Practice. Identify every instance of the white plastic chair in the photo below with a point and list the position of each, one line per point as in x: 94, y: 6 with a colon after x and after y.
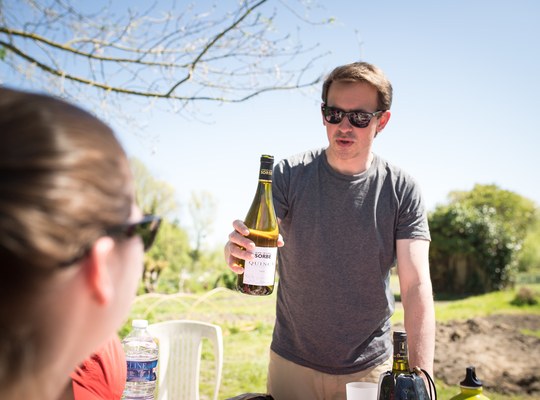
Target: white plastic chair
x: 180, y: 345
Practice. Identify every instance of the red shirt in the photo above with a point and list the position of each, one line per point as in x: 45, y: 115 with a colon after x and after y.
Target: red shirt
x: 103, y: 375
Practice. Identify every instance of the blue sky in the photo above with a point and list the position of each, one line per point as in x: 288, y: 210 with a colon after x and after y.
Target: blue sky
x: 466, y: 84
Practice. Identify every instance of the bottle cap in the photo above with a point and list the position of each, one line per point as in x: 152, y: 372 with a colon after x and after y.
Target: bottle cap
x: 268, y: 158
x: 139, y: 323
x: 471, y: 381
x: 400, y: 335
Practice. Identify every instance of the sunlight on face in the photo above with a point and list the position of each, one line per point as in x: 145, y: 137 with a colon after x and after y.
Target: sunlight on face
x: 349, y: 147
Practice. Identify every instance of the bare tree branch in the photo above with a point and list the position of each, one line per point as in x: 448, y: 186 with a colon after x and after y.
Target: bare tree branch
x: 212, y: 43
x: 220, y: 55
x: 93, y: 56
x: 153, y: 94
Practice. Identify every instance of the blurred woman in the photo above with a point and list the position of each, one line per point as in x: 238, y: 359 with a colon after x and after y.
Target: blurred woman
x: 71, y: 241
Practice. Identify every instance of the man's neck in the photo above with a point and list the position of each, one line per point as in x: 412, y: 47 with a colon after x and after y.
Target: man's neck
x: 352, y: 166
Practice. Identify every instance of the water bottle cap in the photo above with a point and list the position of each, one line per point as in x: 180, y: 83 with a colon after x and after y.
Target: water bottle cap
x: 471, y: 381
x: 139, y: 323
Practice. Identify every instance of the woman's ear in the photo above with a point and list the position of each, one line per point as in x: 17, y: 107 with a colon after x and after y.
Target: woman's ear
x: 97, y: 267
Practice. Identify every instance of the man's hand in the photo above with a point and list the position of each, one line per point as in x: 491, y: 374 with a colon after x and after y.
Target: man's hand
x: 239, y: 247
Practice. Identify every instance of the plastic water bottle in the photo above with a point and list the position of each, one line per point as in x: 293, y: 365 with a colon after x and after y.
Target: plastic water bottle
x: 142, y: 358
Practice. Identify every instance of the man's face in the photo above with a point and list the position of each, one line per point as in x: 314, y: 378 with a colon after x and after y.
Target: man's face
x: 349, y: 147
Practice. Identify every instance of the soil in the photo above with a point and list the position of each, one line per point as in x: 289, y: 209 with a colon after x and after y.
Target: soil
x: 507, y: 361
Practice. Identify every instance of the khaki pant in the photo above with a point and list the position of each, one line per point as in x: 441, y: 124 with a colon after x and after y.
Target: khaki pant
x: 290, y: 381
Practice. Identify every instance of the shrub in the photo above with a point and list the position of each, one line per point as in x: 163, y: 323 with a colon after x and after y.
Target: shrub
x: 525, y: 297
x: 471, y: 251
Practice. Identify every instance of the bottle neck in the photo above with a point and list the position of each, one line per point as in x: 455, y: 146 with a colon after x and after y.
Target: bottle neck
x: 265, y: 171
x: 138, y: 332
x: 401, y: 359
x: 400, y: 366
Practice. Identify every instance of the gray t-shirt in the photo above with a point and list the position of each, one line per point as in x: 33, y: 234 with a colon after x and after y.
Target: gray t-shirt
x: 334, y: 301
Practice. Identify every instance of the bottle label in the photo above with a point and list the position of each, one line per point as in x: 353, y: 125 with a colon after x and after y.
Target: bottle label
x: 141, y: 371
x: 265, y: 174
x: 261, y: 271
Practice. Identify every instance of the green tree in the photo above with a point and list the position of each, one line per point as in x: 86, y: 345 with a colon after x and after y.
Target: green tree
x: 516, y: 212
x: 154, y: 196
x: 529, y: 257
x: 171, y: 250
x: 202, y: 208
x: 166, y: 260
x: 173, y: 264
x: 476, y: 239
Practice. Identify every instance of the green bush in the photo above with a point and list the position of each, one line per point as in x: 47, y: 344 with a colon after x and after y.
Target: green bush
x: 525, y: 297
x: 529, y: 257
x: 477, y: 238
x: 471, y: 251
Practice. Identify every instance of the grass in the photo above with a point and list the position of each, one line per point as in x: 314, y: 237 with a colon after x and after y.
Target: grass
x: 247, y: 324
x: 484, y: 305
x: 447, y: 392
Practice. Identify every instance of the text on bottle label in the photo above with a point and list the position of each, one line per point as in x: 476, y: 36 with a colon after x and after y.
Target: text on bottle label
x: 261, y: 271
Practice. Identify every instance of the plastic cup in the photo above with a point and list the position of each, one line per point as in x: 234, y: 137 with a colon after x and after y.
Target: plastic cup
x: 361, y: 391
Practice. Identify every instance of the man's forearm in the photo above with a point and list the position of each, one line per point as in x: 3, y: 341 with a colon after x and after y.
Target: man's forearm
x: 420, y: 326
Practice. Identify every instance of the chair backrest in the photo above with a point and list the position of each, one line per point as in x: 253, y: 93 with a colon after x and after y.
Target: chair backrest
x: 179, y: 366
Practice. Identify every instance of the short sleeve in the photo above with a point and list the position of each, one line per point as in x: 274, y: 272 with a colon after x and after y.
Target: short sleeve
x: 102, y: 375
x: 280, y: 184
x: 412, y: 218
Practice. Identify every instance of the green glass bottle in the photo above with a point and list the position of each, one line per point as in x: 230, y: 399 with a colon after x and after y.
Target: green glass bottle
x: 259, y: 274
x: 400, y: 365
x: 471, y: 387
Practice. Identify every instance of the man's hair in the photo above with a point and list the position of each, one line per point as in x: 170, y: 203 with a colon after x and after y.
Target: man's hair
x: 362, y: 72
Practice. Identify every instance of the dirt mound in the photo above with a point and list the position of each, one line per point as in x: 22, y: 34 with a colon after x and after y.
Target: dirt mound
x: 506, y: 360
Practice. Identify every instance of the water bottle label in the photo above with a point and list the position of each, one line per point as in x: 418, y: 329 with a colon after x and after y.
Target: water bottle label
x: 261, y: 271
x: 141, y: 371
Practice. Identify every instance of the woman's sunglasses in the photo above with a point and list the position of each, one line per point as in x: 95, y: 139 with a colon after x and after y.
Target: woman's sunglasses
x: 147, y: 228
x: 358, y: 119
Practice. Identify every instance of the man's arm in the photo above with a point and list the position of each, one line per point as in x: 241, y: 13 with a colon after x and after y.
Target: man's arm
x: 417, y: 300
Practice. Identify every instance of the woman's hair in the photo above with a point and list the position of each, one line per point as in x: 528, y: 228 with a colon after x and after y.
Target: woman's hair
x: 64, y: 178
x: 362, y: 72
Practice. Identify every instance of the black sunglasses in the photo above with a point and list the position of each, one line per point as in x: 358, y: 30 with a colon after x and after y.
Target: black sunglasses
x: 358, y: 119
x: 147, y: 228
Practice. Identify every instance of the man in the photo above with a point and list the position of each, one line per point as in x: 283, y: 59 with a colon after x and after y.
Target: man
x: 346, y: 216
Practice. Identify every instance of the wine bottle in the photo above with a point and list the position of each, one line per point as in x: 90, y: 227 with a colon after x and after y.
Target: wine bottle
x: 400, y: 365
x: 259, y: 274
